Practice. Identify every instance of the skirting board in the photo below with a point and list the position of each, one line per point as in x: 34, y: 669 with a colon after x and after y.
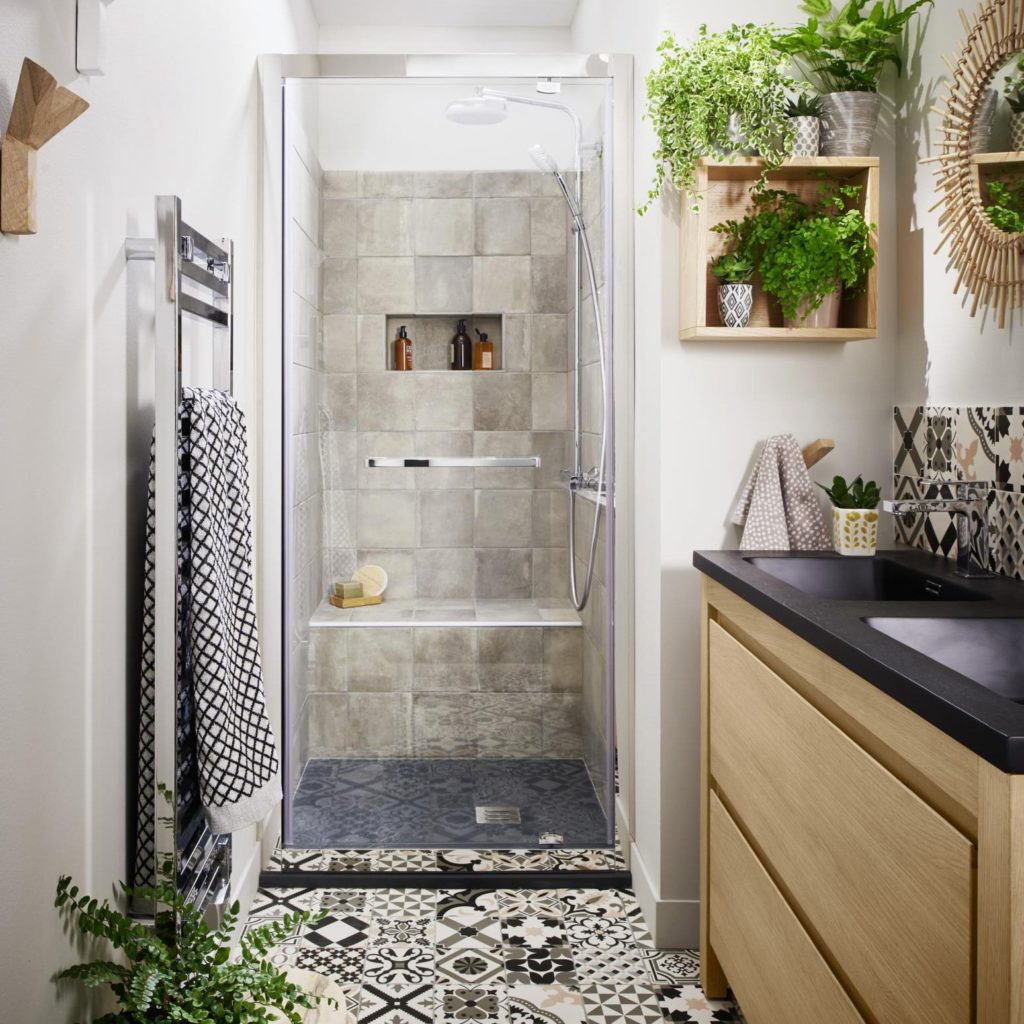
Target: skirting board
x: 674, y: 924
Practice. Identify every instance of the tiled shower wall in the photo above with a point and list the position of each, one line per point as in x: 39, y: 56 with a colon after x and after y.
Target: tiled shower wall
x: 981, y: 443
x: 450, y: 245
x: 304, y: 326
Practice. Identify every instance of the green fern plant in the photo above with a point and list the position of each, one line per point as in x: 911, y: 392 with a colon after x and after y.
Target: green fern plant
x: 186, y: 972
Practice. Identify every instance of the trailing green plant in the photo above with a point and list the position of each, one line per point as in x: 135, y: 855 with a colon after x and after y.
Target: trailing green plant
x: 804, y: 105
x: 1014, y: 88
x: 731, y: 268
x: 845, y: 50
x: 184, y: 973
x: 714, y: 96
x: 805, y: 251
x: 1005, y: 207
x: 855, y: 495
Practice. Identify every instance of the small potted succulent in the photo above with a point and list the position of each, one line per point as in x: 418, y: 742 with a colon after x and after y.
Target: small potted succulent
x: 1014, y: 93
x: 843, y: 51
x: 721, y: 95
x: 805, y: 115
x: 854, y: 515
x: 735, y: 293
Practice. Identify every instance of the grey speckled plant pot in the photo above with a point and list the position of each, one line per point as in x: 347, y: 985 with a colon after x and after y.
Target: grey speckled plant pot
x: 848, y: 123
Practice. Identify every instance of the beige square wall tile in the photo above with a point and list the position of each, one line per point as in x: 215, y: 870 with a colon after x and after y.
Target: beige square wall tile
x: 339, y: 343
x: 502, y: 401
x: 374, y: 184
x: 387, y: 519
x: 550, y: 519
x: 516, y: 342
x: 339, y: 400
x: 505, y: 442
x: 548, y: 284
x: 549, y: 235
x: 440, y: 727
x: 563, y: 659
x: 371, y: 344
x: 443, y: 227
x: 384, y: 227
x: 502, y: 227
x: 501, y: 284
x: 444, y: 401
x: 507, y: 725
x: 441, y: 442
x: 339, y: 227
x: 379, y: 659
x: 399, y: 564
x: 550, y: 401
x: 446, y: 519
x: 443, y: 184
x: 549, y: 334
x: 503, y: 519
x: 339, y: 277
x: 386, y: 401
x: 328, y: 717
x: 445, y: 572
x: 379, y: 724
x: 340, y: 184
x: 386, y: 284
x: 518, y: 645
x: 504, y: 573
x: 444, y: 284
x: 329, y: 649
x: 562, y: 721
x: 393, y: 444
x: 502, y: 183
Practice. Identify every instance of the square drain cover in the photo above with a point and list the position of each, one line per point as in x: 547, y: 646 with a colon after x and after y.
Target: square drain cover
x: 497, y: 815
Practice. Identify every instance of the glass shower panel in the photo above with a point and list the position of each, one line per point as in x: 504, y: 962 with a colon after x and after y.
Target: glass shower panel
x: 470, y: 708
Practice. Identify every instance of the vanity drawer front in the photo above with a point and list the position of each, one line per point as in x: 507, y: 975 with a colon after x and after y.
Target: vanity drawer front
x: 882, y: 881
x: 772, y: 965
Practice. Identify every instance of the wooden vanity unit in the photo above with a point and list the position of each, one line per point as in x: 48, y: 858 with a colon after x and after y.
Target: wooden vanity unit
x: 858, y: 864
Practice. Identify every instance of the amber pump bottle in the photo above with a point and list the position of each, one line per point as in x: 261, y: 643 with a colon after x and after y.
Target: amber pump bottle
x: 461, y: 352
x: 403, y: 350
x: 483, y: 352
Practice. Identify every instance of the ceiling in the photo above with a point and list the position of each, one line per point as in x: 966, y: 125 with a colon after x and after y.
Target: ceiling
x: 448, y: 13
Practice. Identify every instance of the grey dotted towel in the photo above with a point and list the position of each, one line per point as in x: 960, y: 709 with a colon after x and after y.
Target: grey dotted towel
x: 779, y: 509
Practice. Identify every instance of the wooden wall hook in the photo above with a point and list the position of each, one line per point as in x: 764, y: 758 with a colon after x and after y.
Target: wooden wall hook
x: 42, y: 108
x: 817, y: 450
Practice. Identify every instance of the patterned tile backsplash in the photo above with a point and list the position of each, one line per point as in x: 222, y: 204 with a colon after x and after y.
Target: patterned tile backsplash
x: 936, y: 446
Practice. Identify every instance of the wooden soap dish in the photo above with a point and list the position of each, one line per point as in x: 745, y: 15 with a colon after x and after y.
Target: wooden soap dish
x: 355, y: 602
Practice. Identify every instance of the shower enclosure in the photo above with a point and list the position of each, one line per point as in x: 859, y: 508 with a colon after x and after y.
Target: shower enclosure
x: 473, y: 707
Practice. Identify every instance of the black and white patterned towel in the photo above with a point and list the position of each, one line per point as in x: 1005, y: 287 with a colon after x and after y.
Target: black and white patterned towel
x: 222, y: 708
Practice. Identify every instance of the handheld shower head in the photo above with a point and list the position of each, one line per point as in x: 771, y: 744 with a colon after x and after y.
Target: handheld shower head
x: 477, y: 110
x: 543, y: 159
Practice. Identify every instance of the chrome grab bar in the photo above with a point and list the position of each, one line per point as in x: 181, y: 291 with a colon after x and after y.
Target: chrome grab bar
x: 455, y: 462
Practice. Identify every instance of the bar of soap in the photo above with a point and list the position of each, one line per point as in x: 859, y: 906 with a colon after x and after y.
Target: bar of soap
x: 350, y: 589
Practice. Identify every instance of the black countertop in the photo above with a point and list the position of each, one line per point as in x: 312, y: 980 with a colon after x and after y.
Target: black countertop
x: 985, y: 722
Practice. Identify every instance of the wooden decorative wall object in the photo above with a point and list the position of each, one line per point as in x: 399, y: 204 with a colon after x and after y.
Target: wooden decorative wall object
x: 42, y: 108
x: 986, y: 260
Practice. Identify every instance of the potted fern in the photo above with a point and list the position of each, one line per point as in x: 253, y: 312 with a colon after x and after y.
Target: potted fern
x: 804, y: 114
x: 718, y: 96
x: 735, y: 293
x: 843, y: 51
x: 1014, y: 93
x: 854, y: 515
x: 185, y: 973
x: 807, y: 254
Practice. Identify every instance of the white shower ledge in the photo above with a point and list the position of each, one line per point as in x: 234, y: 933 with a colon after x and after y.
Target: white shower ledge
x: 467, y: 613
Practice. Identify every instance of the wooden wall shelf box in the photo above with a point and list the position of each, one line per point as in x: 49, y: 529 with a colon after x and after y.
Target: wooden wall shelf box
x: 726, y: 196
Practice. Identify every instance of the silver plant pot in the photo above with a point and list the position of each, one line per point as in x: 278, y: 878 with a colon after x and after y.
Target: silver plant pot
x: 848, y: 123
x: 825, y: 317
x: 735, y: 304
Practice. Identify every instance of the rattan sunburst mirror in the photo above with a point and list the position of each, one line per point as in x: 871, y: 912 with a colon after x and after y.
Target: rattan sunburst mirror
x: 986, y: 257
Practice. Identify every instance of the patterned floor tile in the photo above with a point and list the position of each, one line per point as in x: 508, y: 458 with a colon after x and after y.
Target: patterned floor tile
x: 273, y: 904
x: 687, y: 1004
x: 340, y: 901
x: 628, y: 1004
x: 672, y: 967
x: 526, y: 902
x: 344, y: 930
x: 402, y: 904
x: 545, y: 1004
x: 386, y: 931
x: 378, y: 1005
x: 552, y: 965
x: 605, y: 952
x: 534, y: 931
x: 464, y: 927
x: 399, y: 967
x: 343, y: 965
x: 403, y: 860
x: 477, y: 1004
x: 599, y: 902
x: 468, y: 965
x: 456, y: 900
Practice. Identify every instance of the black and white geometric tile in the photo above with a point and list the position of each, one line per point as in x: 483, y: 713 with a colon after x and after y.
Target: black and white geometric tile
x: 556, y: 956
x: 937, y: 446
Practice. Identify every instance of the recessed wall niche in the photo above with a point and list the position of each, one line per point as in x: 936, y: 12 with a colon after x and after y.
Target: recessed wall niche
x: 432, y: 335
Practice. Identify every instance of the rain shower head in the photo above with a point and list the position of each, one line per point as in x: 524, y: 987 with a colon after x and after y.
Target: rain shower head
x: 477, y: 110
x: 543, y: 159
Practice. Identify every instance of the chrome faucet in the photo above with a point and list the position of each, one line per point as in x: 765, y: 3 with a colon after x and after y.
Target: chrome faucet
x: 971, y: 507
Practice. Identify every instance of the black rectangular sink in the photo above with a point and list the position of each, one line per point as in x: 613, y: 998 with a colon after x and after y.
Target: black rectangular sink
x: 861, y: 579
x: 989, y: 652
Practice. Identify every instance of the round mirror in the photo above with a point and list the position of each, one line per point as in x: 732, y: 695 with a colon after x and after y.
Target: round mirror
x: 981, y: 161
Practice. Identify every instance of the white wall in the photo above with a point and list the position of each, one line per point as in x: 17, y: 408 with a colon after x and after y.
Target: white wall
x: 946, y: 357
x: 430, y: 39
x: 176, y: 112
x: 701, y: 410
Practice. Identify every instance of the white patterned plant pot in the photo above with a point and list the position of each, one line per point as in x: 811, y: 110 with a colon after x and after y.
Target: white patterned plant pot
x: 735, y: 304
x: 807, y: 136
x: 855, y: 531
x: 848, y: 123
x: 1017, y: 132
